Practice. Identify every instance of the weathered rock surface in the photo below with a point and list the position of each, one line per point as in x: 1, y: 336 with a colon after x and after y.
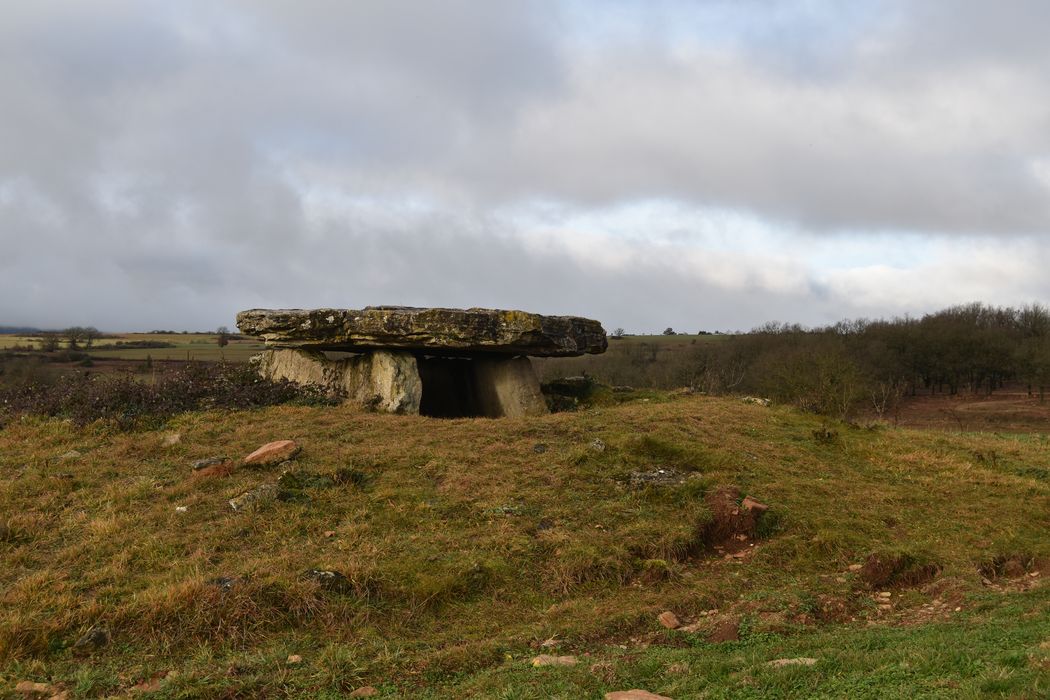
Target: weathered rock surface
x: 273, y: 453
x: 800, y: 661
x: 399, y: 382
x: 634, y: 694
x: 385, y: 381
x: 254, y: 498
x: 669, y: 620
x: 549, y: 660
x: 31, y: 688
x: 508, y: 388
x: 441, y: 331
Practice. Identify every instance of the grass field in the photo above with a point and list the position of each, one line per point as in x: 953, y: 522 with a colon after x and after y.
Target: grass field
x: 907, y: 563
x: 188, y: 346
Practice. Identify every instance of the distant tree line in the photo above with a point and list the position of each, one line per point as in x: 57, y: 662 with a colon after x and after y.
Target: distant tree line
x: 839, y: 369
x: 832, y: 370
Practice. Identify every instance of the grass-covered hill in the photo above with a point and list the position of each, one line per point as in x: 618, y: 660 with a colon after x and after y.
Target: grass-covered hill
x: 906, y: 564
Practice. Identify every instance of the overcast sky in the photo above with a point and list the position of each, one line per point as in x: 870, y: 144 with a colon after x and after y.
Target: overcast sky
x: 701, y: 165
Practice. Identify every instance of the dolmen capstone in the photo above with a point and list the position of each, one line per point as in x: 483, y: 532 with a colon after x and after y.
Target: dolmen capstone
x: 437, y: 362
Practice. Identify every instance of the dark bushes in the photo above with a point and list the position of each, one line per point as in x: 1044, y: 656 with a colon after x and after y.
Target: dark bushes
x: 129, y: 403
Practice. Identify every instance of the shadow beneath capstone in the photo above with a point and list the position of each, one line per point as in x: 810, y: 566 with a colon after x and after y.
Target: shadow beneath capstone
x: 452, y: 389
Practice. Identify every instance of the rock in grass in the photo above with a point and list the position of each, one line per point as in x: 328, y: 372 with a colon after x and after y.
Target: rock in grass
x: 800, y: 661
x: 209, y: 462
x: 273, y: 453
x: 95, y: 638
x: 635, y: 694
x: 172, y: 439
x: 669, y: 620
x: 548, y: 660
x: 656, y: 477
x: 32, y: 688
x: 330, y: 580
x: 224, y: 583
x: 598, y: 445
x: 71, y: 455
x: 365, y: 691
x: 254, y: 498
x: 754, y: 505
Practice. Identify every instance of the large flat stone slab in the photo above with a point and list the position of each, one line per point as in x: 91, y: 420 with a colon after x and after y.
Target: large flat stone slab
x: 431, y: 331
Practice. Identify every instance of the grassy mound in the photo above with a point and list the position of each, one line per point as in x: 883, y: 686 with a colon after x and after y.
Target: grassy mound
x: 460, y: 549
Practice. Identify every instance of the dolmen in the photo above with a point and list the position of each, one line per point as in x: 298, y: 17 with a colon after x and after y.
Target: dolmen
x: 430, y: 361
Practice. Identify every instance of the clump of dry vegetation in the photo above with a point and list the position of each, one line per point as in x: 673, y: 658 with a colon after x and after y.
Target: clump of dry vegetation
x: 127, y: 402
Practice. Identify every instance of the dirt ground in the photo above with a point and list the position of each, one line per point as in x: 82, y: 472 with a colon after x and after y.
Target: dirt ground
x: 1009, y: 409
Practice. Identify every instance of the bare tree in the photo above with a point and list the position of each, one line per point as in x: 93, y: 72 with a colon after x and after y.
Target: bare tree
x: 49, y: 341
x: 74, y: 335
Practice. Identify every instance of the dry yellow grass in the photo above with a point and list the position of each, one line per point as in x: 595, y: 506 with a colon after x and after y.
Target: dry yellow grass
x: 463, y: 542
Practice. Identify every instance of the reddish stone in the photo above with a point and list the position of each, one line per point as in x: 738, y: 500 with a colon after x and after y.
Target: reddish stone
x: 669, y: 620
x: 753, y: 505
x: 273, y: 453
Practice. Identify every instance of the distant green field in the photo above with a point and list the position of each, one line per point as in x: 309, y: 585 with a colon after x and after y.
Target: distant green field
x: 187, y: 346
x: 679, y: 339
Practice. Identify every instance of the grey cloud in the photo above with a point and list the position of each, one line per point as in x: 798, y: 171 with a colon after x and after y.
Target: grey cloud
x: 162, y: 164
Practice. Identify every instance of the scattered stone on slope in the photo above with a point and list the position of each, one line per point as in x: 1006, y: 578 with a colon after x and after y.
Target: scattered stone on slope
x: 32, y: 688
x: 254, y: 498
x: 549, y: 660
x: 758, y: 401
x: 273, y: 453
x: 669, y: 620
x: 656, y: 477
x: 209, y: 462
x: 756, y: 506
x: 426, y: 329
x: 800, y: 661
x: 634, y: 694
x: 222, y: 469
x: 95, y: 638
x: 329, y: 580
x: 598, y: 445
x: 365, y: 691
x: 69, y: 456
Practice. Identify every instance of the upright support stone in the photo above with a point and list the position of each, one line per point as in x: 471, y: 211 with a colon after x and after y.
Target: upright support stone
x: 508, y: 387
x: 386, y: 381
